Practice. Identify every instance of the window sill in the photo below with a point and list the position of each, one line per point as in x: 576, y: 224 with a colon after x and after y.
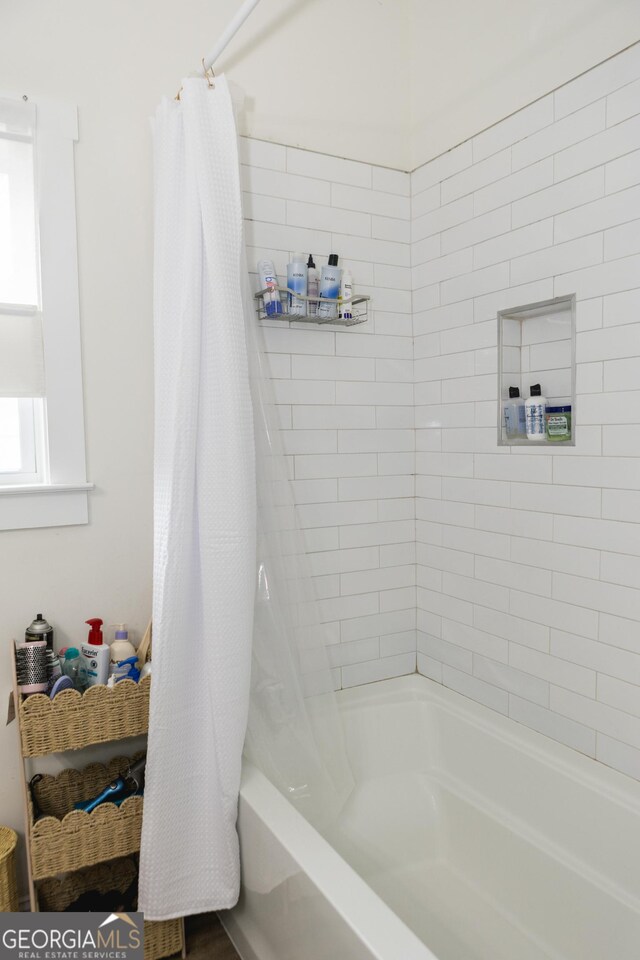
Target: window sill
x: 32, y: 505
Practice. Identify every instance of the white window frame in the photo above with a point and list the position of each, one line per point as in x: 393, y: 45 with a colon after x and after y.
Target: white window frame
x: 59, y: 498
x: 32, y: 444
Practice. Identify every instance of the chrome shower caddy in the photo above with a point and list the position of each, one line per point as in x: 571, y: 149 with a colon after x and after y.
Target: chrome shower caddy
x: 359, y: 306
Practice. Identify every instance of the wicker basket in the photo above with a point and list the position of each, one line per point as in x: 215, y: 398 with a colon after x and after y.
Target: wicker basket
x: 161, y: 938
x: 73, y: 720
x: 56, y: 894
x: 8, y: 883
x: 64, y: 839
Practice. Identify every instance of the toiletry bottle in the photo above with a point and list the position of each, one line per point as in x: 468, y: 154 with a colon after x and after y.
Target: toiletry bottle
x: 558, y: 421
x: 54, y: 668
x: 269, y: 282
x: 120, y: 647
x: 124, y: 670
x: 313, y: 285
x: 94, y: 655
x: 329, y: 288
x: 346, y: 293
x: 71, y: 666
x: 297, y: 284
x: 39, y: 629
x: 514, y: 418
x: 534, y: 409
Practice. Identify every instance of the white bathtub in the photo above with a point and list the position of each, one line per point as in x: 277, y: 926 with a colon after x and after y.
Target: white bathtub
x: 468, y: 837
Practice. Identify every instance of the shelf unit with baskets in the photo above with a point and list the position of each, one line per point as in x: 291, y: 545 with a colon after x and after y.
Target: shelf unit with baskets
x: 69, y: 851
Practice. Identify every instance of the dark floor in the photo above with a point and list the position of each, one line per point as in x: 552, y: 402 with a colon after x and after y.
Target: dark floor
x: 206, y: 939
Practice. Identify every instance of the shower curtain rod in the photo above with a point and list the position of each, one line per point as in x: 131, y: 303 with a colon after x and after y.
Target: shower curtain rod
x: 227, y: 36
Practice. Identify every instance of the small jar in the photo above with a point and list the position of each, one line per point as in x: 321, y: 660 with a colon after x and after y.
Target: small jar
x: 558, y: 423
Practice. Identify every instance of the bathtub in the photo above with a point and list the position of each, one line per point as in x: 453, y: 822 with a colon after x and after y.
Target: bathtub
x: 468, y: 837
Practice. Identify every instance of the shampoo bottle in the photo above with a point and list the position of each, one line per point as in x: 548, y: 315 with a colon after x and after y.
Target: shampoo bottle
x: 297, y: 284
x: 94, y: 656
x: 346, y: 293
x: 313, y: 285
x: 534, y: 409
x: 329, y: 288
x: 514, y: 418
x: 269, y: 282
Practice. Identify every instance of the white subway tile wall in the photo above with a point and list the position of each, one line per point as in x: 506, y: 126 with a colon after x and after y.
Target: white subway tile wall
x: 511, y: 574
x: 345, y: 397
x: 528, y: 578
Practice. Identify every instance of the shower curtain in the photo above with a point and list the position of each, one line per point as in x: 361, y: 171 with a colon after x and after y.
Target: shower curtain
x: 205, y: 512
x: 229, y: 556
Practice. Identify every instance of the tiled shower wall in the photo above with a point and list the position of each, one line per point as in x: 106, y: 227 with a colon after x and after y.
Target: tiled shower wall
x: 345, y: 396
x: 529, y: 560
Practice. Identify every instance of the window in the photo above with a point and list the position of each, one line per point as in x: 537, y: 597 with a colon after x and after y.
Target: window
x: 42, y: 456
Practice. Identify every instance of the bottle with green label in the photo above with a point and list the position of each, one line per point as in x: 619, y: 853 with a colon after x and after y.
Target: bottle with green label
x: 558, y: 423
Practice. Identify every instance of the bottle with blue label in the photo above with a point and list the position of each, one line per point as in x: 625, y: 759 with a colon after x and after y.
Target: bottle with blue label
x: 329, y: 289
x: 514, y: 418
x: 269, y: 283
x: 94, y: 656
x: 297, y: 284
x: 534, y: 409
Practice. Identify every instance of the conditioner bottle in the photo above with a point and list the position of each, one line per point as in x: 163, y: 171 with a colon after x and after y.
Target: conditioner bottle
x: 329, y: 289
x: 514, y: 416
x: 297, y: 284
x: 346, y: 294
x: 534, y: 409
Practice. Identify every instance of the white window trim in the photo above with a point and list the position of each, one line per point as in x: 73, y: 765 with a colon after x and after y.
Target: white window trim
x: 61, y: 499
x: 31, y: 442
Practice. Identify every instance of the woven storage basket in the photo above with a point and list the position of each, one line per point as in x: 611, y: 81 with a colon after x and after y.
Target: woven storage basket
x: 162, y: 938
x: 64, y: 839
x: 73, y: 720
x: 8, y: 883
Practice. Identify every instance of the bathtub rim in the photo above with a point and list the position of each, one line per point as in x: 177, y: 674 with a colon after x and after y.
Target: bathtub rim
x: 361, y: 909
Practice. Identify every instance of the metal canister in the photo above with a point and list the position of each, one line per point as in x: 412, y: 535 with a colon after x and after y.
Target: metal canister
x: 39, y: 629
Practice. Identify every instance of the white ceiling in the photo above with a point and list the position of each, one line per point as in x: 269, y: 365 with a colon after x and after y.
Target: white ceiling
x: 397, y: 82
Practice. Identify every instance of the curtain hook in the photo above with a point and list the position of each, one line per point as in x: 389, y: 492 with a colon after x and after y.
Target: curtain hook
x: 209, y: 75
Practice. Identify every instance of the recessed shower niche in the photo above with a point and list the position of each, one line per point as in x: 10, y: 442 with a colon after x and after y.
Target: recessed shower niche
x: 536, y: 359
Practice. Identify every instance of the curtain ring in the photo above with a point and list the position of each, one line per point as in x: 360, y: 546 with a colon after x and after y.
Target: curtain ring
x: 209, y: 75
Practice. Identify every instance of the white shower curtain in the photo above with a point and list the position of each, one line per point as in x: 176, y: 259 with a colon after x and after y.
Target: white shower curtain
x: 205, y: 512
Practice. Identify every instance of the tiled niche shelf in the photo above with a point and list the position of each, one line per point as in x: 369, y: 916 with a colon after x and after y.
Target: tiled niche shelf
x: 537, y: 344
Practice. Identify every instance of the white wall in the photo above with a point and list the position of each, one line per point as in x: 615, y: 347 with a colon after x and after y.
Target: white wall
x: 474, y: 63
x: 529, y: 560
x: 115, y: 60
x: 310, y: 77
